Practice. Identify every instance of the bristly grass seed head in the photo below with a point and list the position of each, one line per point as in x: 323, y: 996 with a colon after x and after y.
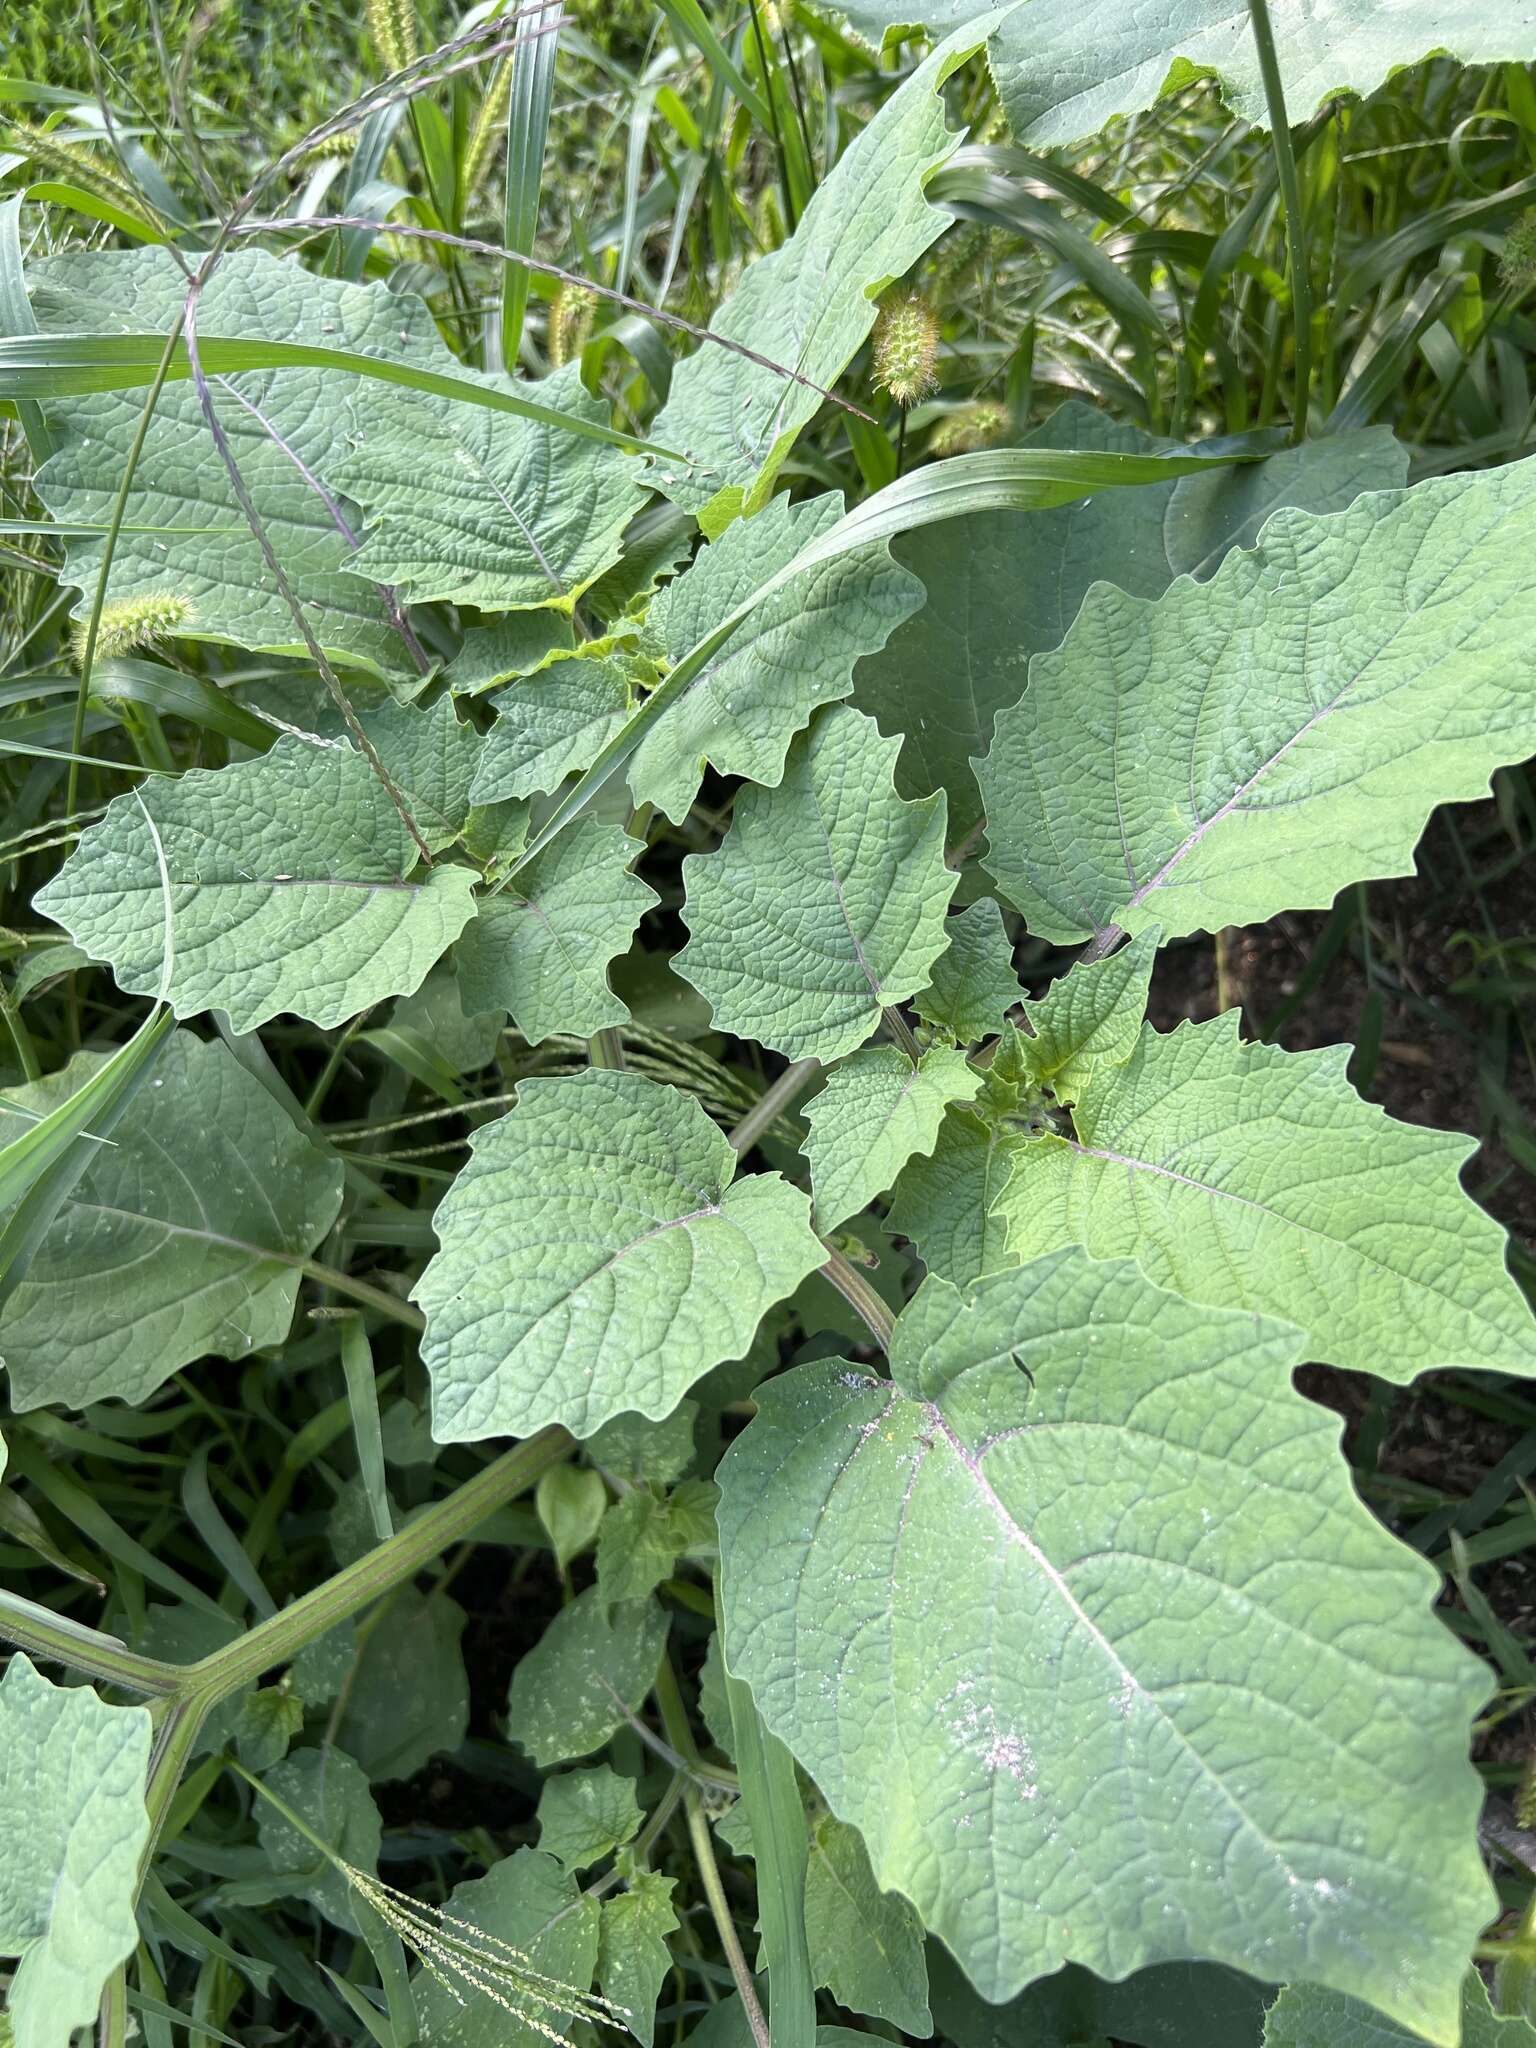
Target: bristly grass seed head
x: 968, y: 428
x: 132, y: 622
x: 1517, y: 265
x: 906, y: 342
x: 393, y: 32
x: 571, y: 314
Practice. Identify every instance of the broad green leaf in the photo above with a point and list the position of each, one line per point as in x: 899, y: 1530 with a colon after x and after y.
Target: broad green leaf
x: 541, y: 949
x: 1002, y: 586
x: 1253, y: 743
x: 550, y: 724
x: 866, y: 1944
x: 287, y: 430
x: 644, y: 1534
x: 72, y: 1829
x: 1003, y: 479
x: 1088, y: 1019
x: 515, y: 644
x: 526, y: 1903
x: 1092, y: 1569
x: 407, y: 1695
x: 633, y: 1959
x: 265, y: 1728
x: 974, y: 985
x: 809, y: 305
x: 592, y: 1665
x: 826, y: 902
x: 182, y: 1237
x: 432, y: 757
x: 596, y: 1258
x: 1064, y: 71
x: 1249, y: 1177
x: 328, y: 1790
x: 436, y: 1015
x: 292, y: 889
x: 794, y: 651
x: 946, y: 1203
x: 586, y: 1815
x: 469, y: 506
x: 1307, y: 2016
x: 876, y: 1110
x: 1170, y: 2005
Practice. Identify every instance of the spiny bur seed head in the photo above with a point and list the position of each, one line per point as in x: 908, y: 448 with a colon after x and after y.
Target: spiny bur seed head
x: 906, y: 342
x: 131, y: 622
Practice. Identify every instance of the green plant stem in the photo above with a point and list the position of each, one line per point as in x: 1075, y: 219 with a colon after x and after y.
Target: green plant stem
x: 901, y: 1031
x: 82, y: 1649
x: 447, y: 1522
x: 606, y: 1049
x: 1298, y: 253
x: 775, y: 1099
x: 674, y: 1718
x: 860, y: 1297
x: 108, y: 549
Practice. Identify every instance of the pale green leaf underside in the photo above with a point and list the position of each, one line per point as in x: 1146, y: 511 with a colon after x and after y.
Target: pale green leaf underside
x: 287, y: 431
x: 72, y: 1829
x: 541, y: 949
x: 291, y: 890
x: 1253, y: 743
x: 1063, y: 71
x: 809, y: 305
x: 827, y: 901
x: 974, y: 985
x: 1001, y: 587
x: 549, y: 725
x: 1307, y: 2016
x: 1152, y: 1675
x: 596, y: 1258
x: 471, y: 506
x: 1254, y: 1178
x: 164, y: 1251
x: 794, y: 651
x: 876, y: 1110
x: 1089, y: 1018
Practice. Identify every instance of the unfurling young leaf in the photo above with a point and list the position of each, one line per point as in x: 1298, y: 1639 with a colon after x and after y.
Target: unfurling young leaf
x: 974, y: 985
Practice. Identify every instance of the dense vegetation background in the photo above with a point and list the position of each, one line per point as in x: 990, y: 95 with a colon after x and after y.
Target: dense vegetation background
x: 1144, y: 272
